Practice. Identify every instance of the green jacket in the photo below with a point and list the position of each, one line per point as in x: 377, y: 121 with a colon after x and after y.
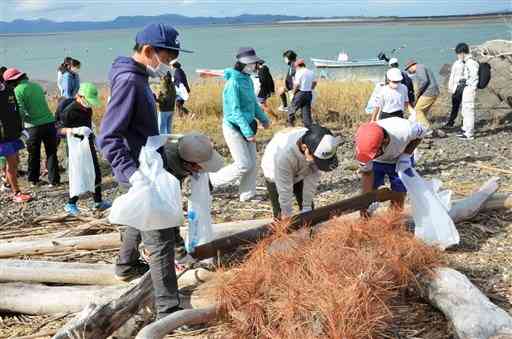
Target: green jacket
x: 33, y: 105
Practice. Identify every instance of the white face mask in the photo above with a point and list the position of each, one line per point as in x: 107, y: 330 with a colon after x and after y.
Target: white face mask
x: 393, y: 85
x: 159, y: 71
x: 286, y: 61
x: 250, y: 69
x: 75, y: 70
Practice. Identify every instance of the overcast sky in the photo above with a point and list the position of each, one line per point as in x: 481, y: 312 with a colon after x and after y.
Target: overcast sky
x: 97, y: 10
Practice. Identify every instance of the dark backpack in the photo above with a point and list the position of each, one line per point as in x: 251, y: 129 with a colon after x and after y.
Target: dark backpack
x: 11, y: 124
x: 484, y: 75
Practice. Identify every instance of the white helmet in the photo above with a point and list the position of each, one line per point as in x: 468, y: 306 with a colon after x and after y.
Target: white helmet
x: 394, y: 74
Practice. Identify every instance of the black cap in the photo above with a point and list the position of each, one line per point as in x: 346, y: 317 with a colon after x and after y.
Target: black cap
x: 462, y: 48
x: 323, y: 146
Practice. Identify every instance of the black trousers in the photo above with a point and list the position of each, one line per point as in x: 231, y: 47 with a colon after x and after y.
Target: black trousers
x: 47, y: 135
x: 456, y: 102
x: 160, y: 245
x: 274, y: 196
x: 284, y: 99
x: 385, y: 115
x: 301, y: 100
x: 97, y: 171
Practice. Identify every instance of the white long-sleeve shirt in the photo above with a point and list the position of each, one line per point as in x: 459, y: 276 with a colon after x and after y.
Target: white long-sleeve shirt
x: 467, y: 69
x: 285, y: 165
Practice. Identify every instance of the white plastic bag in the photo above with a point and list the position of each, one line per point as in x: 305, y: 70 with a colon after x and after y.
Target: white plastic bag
x: 80, y: 166
x: 432, y: 223
x: 182, y: 92
x: 199, y: 212
x: 155, y: 202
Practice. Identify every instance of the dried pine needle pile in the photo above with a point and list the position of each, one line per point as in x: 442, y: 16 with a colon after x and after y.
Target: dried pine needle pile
x: 337, y: 283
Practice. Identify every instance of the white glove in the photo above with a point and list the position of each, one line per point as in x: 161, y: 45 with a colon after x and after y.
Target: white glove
x: 85, y: 131
x: 138, y: 178
x: 306, y: 209
x: 24, y: 135
x: 404, y: 162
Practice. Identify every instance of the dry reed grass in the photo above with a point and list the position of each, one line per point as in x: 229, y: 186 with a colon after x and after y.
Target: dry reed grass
x: 339, y: 284
x: 339, y: 105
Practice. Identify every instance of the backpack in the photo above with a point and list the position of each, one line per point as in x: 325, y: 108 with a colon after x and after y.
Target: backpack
x: 11, y: 124
x: 484, y: 75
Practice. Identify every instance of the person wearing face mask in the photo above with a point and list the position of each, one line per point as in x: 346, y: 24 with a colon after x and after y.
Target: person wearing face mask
x: 241, y: 113
x: 75, y: 116
x: 70, y: 81
x: 392, y: 99
x: 131, y: 118
x: 463, y: 84
x: 292, y: 164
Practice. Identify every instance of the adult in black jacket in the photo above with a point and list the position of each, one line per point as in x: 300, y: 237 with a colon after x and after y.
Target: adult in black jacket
x: 267, y: 88
x: 10, y: 142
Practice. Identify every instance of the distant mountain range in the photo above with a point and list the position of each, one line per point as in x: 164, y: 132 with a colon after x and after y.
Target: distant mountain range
x: 124, y: 22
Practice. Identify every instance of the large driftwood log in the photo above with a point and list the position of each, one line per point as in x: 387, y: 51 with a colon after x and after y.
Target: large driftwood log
x: 471, y: 313
x: 57, y: 272
x: 162, y: 327
x: 35, y: 247
x: 41, y: 299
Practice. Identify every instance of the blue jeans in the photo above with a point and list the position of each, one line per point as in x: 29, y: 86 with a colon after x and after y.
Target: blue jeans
x: 165, y: 122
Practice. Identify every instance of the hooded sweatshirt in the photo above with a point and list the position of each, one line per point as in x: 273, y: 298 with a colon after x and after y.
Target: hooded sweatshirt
x: 130, y: 118
x: 240, y: 104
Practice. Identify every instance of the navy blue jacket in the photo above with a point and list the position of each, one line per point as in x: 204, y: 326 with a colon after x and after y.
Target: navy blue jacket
x: 131, y: 117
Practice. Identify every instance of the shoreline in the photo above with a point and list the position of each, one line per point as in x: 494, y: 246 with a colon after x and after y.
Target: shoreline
x: 456, y: 19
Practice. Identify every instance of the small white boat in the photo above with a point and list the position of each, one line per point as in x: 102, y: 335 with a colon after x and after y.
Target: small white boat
x: 345, y: 69
x: 327, y: 63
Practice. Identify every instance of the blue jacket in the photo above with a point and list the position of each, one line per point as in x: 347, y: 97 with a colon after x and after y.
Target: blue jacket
x: 130, y: 118
x: 240, y: 104
x: 70, y: 84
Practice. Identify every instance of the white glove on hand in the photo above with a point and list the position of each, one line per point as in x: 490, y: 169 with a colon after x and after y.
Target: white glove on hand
x: 306, y: 209
x: 404, y: 162
x: 24, y: 135
x: 85, y: 131
x: 138, y: 178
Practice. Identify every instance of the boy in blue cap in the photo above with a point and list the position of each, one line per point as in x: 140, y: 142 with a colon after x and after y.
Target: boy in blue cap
x: 131, y: 118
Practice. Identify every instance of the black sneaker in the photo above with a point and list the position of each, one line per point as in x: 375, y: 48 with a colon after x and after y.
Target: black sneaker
x: 134, y: 272
x: 465, y: 137
x: 448, y: 126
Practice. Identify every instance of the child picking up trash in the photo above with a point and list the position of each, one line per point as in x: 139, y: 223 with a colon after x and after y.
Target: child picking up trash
x: 383, y: 148
x: 75, y: 120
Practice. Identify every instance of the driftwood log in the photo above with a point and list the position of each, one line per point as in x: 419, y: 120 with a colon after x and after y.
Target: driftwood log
x: 162, y: 327
x: 42, y: 299
x: 38, y: 299
x: 30, y: 271
x: 471, y: 313
x: 51, y: 245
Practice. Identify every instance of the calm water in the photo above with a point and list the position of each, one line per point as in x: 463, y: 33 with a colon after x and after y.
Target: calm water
x: 216, y: 46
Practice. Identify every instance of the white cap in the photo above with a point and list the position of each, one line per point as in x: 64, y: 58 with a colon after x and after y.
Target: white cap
x: 393, y: 61
x: 394, y: 74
